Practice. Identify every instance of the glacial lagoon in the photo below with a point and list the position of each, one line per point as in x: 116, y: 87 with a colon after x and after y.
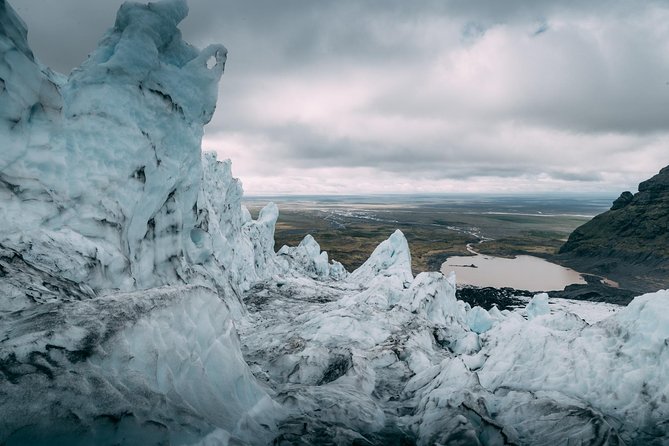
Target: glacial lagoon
x: 522, y: 272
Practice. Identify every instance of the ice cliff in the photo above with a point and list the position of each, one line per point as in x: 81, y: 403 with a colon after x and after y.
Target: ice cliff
x: 141, y: 304
x: 124, y: 252
x: 105, y: 166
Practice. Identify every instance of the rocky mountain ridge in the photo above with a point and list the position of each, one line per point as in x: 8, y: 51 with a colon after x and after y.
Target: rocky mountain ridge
x: 630, y: 242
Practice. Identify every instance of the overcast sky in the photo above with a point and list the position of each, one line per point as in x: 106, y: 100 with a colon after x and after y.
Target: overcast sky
x: 418, y: 96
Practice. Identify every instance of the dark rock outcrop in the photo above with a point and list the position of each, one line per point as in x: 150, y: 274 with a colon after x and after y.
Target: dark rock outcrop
x: 630, y: 242
x: 623, y: 200
x: 595, y: 291
x: 487, y: 297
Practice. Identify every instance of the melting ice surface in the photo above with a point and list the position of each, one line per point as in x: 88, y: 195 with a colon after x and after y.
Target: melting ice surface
x: 141, y: 304
x: 521, y: 272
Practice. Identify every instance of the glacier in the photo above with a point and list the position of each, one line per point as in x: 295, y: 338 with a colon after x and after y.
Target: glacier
x: 140, y: 303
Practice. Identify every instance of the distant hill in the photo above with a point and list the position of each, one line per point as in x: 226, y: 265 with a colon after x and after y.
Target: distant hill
x: 630, y: 242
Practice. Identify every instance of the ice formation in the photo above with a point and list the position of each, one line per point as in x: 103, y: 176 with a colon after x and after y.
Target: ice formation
x: 308, y: 259
x: 105, y: 166
x: 537, y: 306
x: 124, y: 252
x: 141, y: 304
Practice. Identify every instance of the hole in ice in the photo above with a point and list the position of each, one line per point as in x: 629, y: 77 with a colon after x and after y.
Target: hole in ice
x: 211, y: 62
x: 196, y: 236
x: 140, y: 175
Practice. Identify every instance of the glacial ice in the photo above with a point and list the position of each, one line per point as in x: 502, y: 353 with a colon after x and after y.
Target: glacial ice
x: 433, y: 297
x: 124, y: 252
x: 479, y: 320
x: 118, y: 359
x: 134, y: 207
x: 537, y: 306
x: 308, y: 259
x: 391, y: 259
x: 141, y: 304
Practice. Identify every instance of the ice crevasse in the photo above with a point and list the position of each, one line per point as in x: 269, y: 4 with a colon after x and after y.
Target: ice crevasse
x: 141, y: 304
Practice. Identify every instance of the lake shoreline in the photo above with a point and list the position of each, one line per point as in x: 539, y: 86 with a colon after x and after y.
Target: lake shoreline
x: 520, y: 272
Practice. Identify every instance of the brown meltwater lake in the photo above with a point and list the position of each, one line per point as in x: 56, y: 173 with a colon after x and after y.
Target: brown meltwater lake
x: 522, y: 272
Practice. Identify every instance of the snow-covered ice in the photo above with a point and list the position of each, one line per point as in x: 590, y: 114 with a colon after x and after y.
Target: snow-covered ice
x: 308, y: 259
x: 141, y: 304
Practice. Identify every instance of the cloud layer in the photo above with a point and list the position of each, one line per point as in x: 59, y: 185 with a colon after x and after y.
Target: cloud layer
x: 425, y: 96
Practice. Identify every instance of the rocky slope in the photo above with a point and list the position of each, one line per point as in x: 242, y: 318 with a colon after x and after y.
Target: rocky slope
x: 630, y: 242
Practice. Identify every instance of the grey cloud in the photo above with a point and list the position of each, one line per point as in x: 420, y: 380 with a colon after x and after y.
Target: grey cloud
x: 471, y: 32
x: 303, y: 148
x: 542, y: 28
x: 579, y: 83
x: 494, y: 11
x: 586, y: 176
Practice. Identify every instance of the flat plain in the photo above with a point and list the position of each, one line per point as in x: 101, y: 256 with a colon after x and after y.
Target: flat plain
x: 436, y: 227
